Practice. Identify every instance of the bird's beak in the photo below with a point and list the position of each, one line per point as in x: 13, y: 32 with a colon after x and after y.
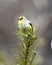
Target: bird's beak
x: 18, y: 19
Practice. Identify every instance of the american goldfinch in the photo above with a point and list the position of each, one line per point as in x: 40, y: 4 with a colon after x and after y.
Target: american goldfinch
x: 24, y: 24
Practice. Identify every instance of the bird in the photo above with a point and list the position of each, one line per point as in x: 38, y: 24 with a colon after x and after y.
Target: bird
x: 24, y: 24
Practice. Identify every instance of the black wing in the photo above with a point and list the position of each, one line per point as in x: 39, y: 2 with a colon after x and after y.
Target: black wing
x: 31, y: 26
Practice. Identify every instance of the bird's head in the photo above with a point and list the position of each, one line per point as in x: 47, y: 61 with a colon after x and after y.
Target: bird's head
x: 21, y: 19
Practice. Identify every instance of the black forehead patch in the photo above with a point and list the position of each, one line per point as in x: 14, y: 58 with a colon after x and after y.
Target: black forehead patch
x: 20, y: 18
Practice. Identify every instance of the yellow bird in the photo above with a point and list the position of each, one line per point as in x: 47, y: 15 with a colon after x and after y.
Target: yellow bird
x: 24, y: 24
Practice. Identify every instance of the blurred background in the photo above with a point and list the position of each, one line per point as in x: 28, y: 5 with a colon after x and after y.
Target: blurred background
x: 39, y: 12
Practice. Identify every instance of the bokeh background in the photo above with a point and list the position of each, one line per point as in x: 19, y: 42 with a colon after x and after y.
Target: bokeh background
x: 39, y: 12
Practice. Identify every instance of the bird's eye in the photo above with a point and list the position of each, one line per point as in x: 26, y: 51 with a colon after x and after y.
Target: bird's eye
x: 20, y: 18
